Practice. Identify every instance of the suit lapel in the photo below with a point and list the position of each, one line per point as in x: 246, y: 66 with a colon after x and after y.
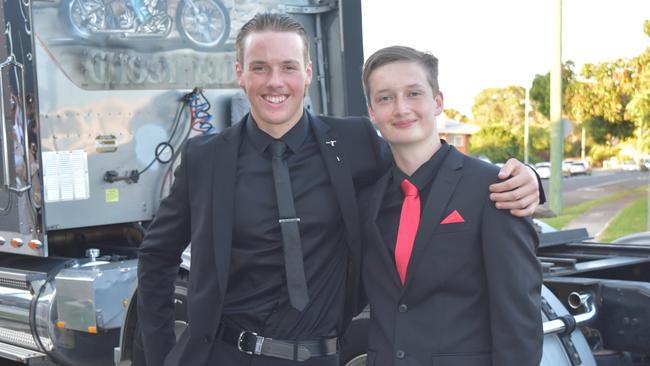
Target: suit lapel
x: 375, y: 240
x: 441, y: 191
x: 224, y: 177
x: 330, y: 146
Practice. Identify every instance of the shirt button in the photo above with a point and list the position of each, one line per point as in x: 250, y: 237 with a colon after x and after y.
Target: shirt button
x: 402, y: 308
x: 400, y: 354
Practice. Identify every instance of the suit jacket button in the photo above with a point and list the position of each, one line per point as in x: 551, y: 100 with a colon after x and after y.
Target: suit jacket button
x: 400, y: 354
x: 402, y: 308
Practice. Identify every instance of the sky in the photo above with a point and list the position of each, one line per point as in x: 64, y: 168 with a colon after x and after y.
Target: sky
x: 496, y: 43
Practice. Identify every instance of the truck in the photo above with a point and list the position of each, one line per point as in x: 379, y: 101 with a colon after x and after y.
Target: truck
x: 98, y: 97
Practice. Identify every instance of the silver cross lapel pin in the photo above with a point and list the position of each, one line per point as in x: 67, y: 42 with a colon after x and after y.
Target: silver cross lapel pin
x: 330, y: 142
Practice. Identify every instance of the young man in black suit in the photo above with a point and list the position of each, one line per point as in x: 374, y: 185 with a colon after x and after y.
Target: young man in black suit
x: 451, y: 279
x: 270, y: 208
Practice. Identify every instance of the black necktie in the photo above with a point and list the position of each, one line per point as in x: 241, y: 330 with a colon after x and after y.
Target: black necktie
x: 296, y: 283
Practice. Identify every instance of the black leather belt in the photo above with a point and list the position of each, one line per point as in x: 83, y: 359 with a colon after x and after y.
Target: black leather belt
x: 253, y: 344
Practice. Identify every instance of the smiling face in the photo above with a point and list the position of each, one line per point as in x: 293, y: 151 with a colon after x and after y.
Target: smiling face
x: 403, y: 105
x: 275, y: 78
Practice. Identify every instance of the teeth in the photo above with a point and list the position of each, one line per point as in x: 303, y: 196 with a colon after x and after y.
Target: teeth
x: 275, y: 99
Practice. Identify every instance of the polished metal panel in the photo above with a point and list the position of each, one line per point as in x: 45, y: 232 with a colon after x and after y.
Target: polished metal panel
x: 95, y: 294
x: 16, y: 316
x: 19, y: 354
x: 100, y: 114
x: 20, y: 191
x: 28, y: 314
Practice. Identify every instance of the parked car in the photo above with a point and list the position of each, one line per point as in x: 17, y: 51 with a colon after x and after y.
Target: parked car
x: 630, y: 166
x: 645, y: 165
x: 484, y: 158
x: 543, y: 169
x: 642, y: 238
x: 566, y: 167
x: 580, y: 167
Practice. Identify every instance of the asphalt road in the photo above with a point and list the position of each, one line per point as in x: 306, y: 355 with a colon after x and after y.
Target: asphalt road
x: 578, y: 189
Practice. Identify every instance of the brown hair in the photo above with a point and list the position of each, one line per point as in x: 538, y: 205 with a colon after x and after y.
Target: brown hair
x: 394, y: 54
x: 273, y: 22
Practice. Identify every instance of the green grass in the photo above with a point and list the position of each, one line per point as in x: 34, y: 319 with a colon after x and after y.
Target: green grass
x: 572, y: 212
x: 631, y: 219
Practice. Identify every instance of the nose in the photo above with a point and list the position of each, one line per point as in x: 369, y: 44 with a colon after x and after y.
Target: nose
x: 275, y: 78
x: 400, y: 106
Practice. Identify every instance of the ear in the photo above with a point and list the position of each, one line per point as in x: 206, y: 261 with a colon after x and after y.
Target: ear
x: 371, y: 114
x: 439, y: 101
x: 239, y: 71
x: 308, y: 72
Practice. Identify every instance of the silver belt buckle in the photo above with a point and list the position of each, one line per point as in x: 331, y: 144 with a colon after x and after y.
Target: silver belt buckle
x: 241, y: 337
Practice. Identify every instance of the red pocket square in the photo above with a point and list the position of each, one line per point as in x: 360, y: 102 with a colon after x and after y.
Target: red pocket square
x: 453, y: 218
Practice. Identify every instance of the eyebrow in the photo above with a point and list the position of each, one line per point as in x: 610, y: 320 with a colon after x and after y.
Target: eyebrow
x: 286, y: 62
x: 410, y: 86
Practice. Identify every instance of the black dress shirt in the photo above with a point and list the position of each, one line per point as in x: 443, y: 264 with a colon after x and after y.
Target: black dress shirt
x: 391, y: 206
x: 257, y: 297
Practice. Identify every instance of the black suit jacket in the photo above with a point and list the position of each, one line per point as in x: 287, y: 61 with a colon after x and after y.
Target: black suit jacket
x: 472, y: 291
x: 199, y: 210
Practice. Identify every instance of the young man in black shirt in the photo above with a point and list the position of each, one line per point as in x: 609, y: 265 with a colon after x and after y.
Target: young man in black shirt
x: 451, y: 279
x: 269, y: 206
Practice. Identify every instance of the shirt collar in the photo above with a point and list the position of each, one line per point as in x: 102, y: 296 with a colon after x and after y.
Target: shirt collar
x: 426, y: 173
x: 294, y: 138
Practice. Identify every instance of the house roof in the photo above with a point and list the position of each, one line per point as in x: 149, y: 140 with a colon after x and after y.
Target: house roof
x: 450, y: 126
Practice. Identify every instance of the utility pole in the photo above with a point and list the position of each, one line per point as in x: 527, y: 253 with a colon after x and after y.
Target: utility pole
x: 583, y: 144
x: 526, y: 123
x: 557, y: 131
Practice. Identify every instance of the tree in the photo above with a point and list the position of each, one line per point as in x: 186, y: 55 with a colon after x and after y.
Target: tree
x: 500, y: 112
x: 604, y: 132
x: 639, y: 111
x: 540, y: 92
x: 497, y: 142
x: 456, y: 115
x: 499, y: 106
x: 612, y: 99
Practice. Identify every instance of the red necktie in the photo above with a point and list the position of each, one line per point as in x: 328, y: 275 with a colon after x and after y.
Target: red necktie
x: 408, y: 227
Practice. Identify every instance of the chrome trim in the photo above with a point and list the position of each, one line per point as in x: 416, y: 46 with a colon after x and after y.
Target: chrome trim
x: 576, y: 300
x: 11, y: 61
x: 19, y: 354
